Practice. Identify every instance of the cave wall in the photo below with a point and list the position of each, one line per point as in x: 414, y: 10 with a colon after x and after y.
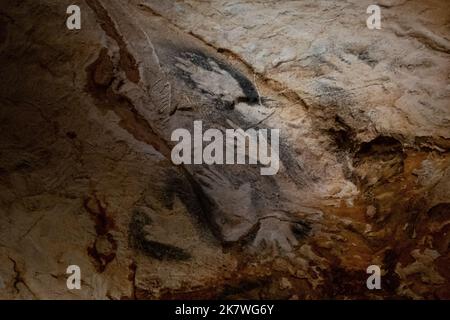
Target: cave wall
x: 86, y: 176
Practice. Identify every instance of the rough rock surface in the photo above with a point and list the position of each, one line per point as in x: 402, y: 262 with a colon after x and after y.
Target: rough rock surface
x: 86, y: 176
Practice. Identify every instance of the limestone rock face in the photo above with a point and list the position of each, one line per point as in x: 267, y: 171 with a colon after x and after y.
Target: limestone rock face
x: 86, y: 175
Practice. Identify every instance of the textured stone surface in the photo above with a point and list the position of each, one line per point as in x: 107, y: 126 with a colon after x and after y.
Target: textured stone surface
x: 86, y: 176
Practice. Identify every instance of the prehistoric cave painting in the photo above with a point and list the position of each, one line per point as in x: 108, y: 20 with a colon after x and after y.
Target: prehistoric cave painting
x: 143, y: 239
x: 86, y: 176
x: 237, y: 88
x: 217, y: 84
